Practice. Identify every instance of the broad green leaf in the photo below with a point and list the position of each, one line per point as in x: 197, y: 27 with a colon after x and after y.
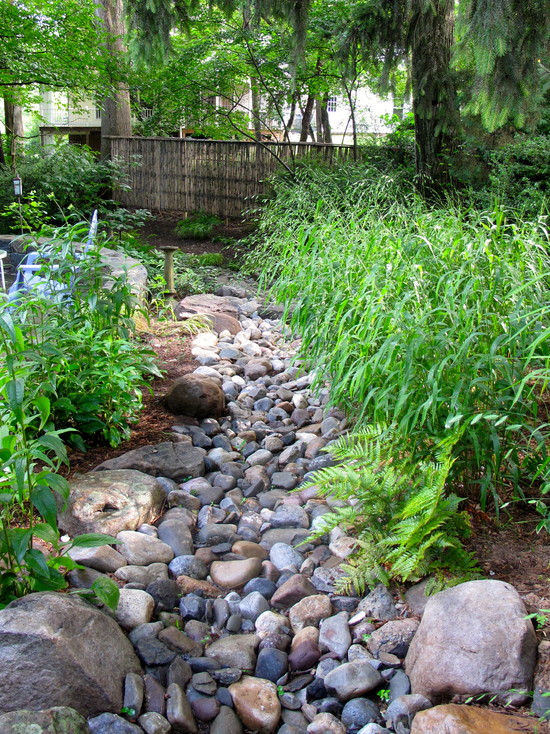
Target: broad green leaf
x: 93, y: 540
x: 44, y: 501
x: 106, y: 591
x: 53, y: 582
x: 20, y: 539
x: 15, y: 391
x: 43, y: 405
x: 46, y: 532
x: 53, y: 442
x: 58, y: 483
x: 36, y: 561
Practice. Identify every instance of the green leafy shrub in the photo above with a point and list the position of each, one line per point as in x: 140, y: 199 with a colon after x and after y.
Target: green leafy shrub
x: 66, y: 180
x: 423, y: 319
x: 520, y: 174
x: 31, y: 454
x: 210, y: 259
x: 198, y: 226
x: 407, y: 523
x: 82, y: 355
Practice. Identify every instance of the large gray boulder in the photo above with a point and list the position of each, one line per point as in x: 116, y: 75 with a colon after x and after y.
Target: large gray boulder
x: 57, y: 720
x: 58, y: 650
x: 111, y: 501
x: 177, y: 461
x: 473, y: 639
x: 197, y: 396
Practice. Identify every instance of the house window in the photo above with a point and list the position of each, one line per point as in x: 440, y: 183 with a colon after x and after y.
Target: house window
x: 146, y: 113
x: 226, y: 103
x: 331, y: 104
x: 98, y: 113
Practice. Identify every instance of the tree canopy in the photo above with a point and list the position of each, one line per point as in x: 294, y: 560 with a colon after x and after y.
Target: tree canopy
x: 53, y: 44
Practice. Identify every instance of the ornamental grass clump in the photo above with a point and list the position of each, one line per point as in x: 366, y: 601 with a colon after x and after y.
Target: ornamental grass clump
x: 423, y: 319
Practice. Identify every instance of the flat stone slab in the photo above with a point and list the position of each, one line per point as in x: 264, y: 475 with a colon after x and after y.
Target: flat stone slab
x: 177, y: 461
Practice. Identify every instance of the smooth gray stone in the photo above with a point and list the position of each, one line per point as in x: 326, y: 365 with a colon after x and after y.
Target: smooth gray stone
x: 133, y: 692
x: 177, y: 535
x: 112, y: 724
x: 253, y: 605
x: 188, y: 565
x: 226, y: 722
x: 153, y: 723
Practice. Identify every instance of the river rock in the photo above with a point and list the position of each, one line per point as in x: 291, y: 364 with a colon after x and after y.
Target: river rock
x: 142, y: 550
x: 57, y: 720
x: 334, y: 635
x: 403, y: 709
x: 378, y: 605
x: 111, y: 502
x: 134, y: 607
x: 393, y: 637
x: 326, y: 724
x: 351, y: 680
x: 153, y: 723
x: 103, y: 558
x: 195, y: 395
x: 473, y: 639
x: 294, y: 590
x: 310, y: 611
x: 272, y: 664
x: 85, y: 671
x: 112, y: 724
x: 178, y: 710
x: 234, y: 574
x: 455, y: 719
x: 257, y: 703
x: 226, y: 722
x: 270, y: 623
x: 237, y: 651
x: 177, y: 461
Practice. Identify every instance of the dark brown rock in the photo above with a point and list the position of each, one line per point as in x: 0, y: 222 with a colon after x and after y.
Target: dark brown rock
x: 155, y: 695
x: 292, y: 591
x: 219, y: 311
x: 197, y: 396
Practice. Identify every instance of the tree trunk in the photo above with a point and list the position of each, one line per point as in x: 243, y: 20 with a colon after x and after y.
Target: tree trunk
x: 115, y: 115
x: 291, y: 115
x: 318, y: 121
x: 15, y: 132
x: 325, y: 122
x: 434, y: 98
x: 306, y: 118
x: 255, y: 99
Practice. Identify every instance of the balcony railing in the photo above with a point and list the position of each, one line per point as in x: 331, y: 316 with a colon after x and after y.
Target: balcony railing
x: 63, y: 117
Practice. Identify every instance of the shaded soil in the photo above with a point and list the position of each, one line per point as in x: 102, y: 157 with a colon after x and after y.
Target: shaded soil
x: 225, y: 237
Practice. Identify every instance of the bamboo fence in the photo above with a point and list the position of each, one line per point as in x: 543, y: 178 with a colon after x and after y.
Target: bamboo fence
x: 215, y: 176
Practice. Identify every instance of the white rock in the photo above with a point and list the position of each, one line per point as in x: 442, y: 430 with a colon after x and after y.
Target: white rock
x: 134, y: 607
x: 205, y: 340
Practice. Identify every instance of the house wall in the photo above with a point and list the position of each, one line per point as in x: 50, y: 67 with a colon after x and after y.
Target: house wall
x: 369, y: 109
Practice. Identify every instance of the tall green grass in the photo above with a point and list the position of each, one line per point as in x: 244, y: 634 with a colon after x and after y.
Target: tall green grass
x: 422, y: 319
